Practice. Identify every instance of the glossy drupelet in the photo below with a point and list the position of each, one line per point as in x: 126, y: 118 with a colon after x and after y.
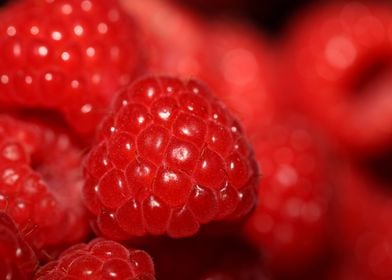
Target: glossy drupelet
x: 41, y: 190
x: 69, y: 56
x: 169, y: 157
x: 99, y: 259
x: 17, y: 258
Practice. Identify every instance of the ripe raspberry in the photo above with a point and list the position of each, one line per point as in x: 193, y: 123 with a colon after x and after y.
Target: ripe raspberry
x: 291, y: 224
x: 169, y: 158
x: 99, y: 259
x: 340, y: 56
x: 17, y: 259
x: 70, y: 56
x: 40, y: 182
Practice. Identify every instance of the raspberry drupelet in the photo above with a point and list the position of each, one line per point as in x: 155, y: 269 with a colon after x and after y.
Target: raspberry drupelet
x: 99, y: 259
x: 168, y: 158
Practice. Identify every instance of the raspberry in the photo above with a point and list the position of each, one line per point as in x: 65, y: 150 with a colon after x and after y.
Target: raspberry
x: 69, y: 56
x: 17, y: 259
x: 39, y: 189
x: 169, y: 158
x: 291, y: 224
x: 99, y: 259
x: 340, y: 56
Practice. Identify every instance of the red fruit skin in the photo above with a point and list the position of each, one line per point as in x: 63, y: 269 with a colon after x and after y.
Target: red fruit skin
x: 292, y: 222
x: 366, y: 231
x: 17, y: 258
x: 68, y: 56
x: 340, y: 63
x: 41, y: 190
x: 169, y: 158
x: 99, y: 259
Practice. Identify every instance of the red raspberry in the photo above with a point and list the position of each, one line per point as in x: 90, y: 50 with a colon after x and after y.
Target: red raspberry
x: 99, y: 259
x: 169, y: 158
x: 291, y: 224
x: 340, y: 57
x: 70, y: 56
x: 17, y: 259
x: 40, y: 182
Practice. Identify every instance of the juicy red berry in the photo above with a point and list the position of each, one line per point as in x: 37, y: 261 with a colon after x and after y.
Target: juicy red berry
x: 40, y: 182
x: 17, y: 259
x: 99, y: 259
x: 169, y: 157
x: 70, y: 56
x: 292, y: 221
x: 341, y: 64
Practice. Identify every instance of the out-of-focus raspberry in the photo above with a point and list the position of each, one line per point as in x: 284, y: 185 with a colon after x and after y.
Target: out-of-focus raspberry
x: 41, y: 181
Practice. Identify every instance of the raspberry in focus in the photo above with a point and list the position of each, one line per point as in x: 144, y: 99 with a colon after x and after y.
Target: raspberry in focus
x: 168, y: 159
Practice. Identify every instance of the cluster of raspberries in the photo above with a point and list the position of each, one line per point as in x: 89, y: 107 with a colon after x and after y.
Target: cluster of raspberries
x: 142, y: 140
